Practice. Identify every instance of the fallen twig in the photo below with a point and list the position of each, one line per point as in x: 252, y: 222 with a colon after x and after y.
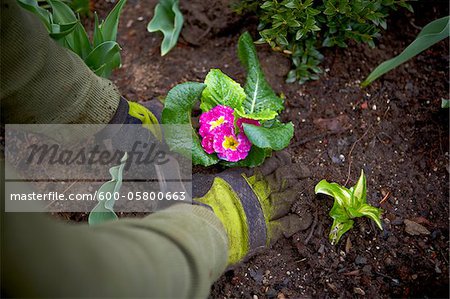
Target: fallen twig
x: 385, y: 197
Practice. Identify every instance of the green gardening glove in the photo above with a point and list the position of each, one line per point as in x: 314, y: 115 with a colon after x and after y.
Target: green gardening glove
x: 147, y: 115
x: 255, y: 207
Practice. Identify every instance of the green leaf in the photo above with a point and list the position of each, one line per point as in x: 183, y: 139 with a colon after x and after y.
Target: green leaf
x: 59, y: 31
x: 445, y: 103
x: 339, y: 213
x: 43, y: 14
x: 78, y: 42
x: 341, y: 194
x: 98, y: 36
x: 109, y: 27
x: 255, y: 158
x: 371, y: 212
x: 432, y: 33
x: 62, y: 13
x: 177, y: 110
x: 221, y: 90
x: 266, y: 114
x: 103, y: 55
x: 104, y: 210
x: 276, y: 137
x: 169, y: 20
x: 260, y: 96
x: 359, y: 191
x: 338, y: 229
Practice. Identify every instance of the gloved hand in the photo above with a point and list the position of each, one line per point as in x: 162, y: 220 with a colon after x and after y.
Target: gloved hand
x: 129, y: 113
x: 255, y: 208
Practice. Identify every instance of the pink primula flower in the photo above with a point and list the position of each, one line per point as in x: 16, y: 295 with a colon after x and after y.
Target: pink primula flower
x: 230, y: 147
x: 215, y: 119
x: 241, y: 121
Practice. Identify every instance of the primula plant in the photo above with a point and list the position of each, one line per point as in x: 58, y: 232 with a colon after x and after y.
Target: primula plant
x: 299, y: 28
x: 239, y: 126
x: 348, y: 204
x: 102, y: 55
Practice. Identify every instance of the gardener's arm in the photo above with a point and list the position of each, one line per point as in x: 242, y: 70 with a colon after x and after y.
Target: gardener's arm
x: 175, y: 253
x: 44, y: 83
x: 180, y: 251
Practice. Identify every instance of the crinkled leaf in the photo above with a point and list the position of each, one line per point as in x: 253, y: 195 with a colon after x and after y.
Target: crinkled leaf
x: 341, y: 194
x: 445, y: 103
x: 338, y: 229
x: 432, y: 33
x: 260, y: 115
x: 221, y: 90
x: 177, y: 110
x: 169, y: 20
x: 111, y: 23
x: 276, y: 137
x: 260, y: 96
x: 104, y: 210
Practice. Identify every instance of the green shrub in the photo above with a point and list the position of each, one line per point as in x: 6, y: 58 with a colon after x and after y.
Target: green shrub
x: 299, y: 28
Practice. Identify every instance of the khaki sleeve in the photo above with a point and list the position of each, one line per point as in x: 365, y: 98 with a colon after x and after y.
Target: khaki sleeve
x: 175, y: 253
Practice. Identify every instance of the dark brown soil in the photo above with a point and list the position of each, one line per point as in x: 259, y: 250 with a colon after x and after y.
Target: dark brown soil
x: 395, y: 130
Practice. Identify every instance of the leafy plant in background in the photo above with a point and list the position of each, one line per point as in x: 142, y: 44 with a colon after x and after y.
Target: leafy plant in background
x: 102, y: 55
x: 299, y: 28
x: 431, y: 34
x: 348, y: 204
x: 238, y: 126
x: 82, y: 7
x: 169, y: 20
x: 104, y: 210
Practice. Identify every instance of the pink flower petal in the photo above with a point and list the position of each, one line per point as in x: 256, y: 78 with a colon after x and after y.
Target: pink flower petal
x: 229, y: 147
x: 244, y: 144
x: 241, y: 121
x: 215, y: 119
x: 207, y: 144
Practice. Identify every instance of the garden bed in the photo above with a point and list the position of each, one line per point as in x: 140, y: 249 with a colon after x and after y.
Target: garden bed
x: 395, y: 130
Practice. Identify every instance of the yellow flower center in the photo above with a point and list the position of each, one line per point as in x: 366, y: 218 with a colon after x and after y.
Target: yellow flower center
x: 214, y: 124
x: 230, y: 142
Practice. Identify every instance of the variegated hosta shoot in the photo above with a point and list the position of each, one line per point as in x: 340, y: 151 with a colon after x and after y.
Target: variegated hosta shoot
x: 348, y: 204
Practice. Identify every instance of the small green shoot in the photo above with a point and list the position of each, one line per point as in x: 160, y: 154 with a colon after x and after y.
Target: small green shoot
x: 169, y: 20
x: 104, y: 210
x: 432, y: 33
x: 348, y: 204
